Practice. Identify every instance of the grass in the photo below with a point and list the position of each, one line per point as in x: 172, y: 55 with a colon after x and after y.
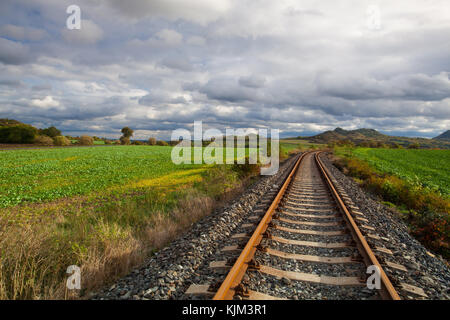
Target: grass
x: 50, y: 174
x: 427, y: 167
x: 415, y: 181
x: 103, y: 209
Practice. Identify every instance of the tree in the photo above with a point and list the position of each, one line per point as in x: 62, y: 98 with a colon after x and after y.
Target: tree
x: 124, y: 140
x: 152, y: 141
x: 127, y: 132
x: 86, y: 141
x: 21, y: 133
x: 50, y: 132
x: 61, y: 141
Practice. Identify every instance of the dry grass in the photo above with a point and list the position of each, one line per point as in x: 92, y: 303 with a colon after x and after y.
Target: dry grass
x: 106, y: 236
x: 425, y: 212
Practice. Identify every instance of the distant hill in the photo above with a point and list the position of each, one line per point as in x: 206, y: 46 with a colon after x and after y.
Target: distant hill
x: 443, y: 136
x: 353, y: 135
x: 9, y: 122
x: 371, y: 135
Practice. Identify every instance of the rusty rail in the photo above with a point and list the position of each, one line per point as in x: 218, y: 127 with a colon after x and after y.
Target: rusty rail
x: 387, y: 290
x: 231, y: 283
x: 234, y: 277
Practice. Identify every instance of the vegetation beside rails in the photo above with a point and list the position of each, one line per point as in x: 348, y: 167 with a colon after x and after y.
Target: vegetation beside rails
x: 425, y: 210
x: 106, y: 233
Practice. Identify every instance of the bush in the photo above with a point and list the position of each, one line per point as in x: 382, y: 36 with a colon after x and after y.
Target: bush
x: 152, y: 141
x: 86, y: 141
x: 162, y: 143
x: 137, y: 143
x: 21, y: 133
x: 246, y: 169
x: 50, y: 131
x: 426, y: 216
x: 124, y: 140
x: 43, y: 141
x: 61, y: 141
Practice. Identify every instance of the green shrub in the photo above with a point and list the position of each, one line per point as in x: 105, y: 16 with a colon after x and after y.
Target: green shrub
x: 414, y: 146
x: 21, y: 133
x: 61, y: 141
x: 246, y: 169
x: 50, y: 131
x: 162, y: 143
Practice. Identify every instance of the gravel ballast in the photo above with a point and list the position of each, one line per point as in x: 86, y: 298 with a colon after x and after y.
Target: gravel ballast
x: 423, y: 270
x: 169, y: 272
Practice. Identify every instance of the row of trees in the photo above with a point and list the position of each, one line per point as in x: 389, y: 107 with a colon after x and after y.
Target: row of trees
x: 16, y: 132
x: 12, y: 131
x: 127, y: 133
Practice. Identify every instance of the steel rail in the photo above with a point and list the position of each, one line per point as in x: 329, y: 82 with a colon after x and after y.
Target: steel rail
x: 387, y: 290
x: 234, y: 277
x: 228, y: 288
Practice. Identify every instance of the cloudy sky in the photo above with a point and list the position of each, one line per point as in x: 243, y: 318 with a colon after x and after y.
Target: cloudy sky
x: 158, y: 65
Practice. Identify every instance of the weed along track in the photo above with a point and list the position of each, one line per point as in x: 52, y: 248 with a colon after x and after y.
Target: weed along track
x: 307, y: 232
x: 309, y: 244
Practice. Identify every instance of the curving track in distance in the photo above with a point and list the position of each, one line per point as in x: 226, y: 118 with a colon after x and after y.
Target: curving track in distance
x: 307, y: 240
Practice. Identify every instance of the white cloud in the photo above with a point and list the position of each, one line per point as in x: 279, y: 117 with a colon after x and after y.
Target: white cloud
x: 45, y: 103
x: 89, y: 33
x: 170, y: 37
x: 160, y: 64
x: 197, y: 11
x: 196, y: 41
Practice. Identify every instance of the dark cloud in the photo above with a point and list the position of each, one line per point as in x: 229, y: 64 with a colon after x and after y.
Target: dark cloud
x: 159, y: 65
x: 41, y: 87
x: 11, y: 83
x: 177, y: 63
x: 12, y: 52
x: 252, y: 81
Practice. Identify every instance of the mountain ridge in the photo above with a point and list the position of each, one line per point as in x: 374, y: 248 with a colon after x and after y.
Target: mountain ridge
x: 443, y: 136
x: 367, y: 135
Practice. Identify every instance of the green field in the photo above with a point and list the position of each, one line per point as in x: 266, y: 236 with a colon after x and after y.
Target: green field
x: 48, y: 174
x: 102, y: 208
x: 427, y: 167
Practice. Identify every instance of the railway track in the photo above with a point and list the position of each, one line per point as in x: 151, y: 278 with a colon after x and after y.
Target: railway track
x: 307, y: 241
